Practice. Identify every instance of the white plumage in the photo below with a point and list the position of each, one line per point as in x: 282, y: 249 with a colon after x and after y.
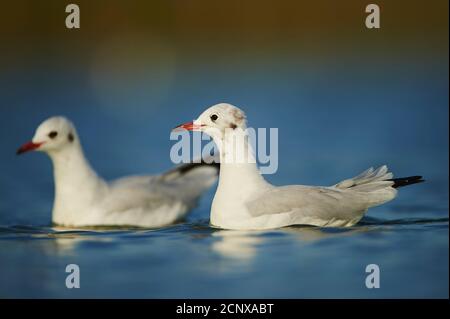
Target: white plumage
x: 82, y: 198
x: 244, y: 200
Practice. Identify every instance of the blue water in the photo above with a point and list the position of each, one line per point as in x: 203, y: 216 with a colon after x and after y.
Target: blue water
x: 333, y: 123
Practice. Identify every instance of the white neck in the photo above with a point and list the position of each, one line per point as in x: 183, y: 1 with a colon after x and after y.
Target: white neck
x: 76, y: 184
x: 238, y: 180
x: 238, y: 168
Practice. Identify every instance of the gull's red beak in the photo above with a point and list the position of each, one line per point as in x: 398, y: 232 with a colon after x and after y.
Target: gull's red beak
x: 190, y: 126
x: 30, y: 146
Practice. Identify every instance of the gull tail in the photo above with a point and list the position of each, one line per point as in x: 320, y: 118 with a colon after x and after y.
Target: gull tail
x: 405, y: 181
x: 375, y: 179
x: 377, y: 185
x: 369, y: 180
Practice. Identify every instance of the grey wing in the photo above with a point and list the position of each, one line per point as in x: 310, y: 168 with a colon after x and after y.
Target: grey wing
x: 182, y: 185
x: 323, y: 203
x: 137, y: 201
x: 190, y: 181
x: 139, y: 192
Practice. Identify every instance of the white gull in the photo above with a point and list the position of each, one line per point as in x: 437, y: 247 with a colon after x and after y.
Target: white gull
x: 82, y: 198
x: 245, y: 200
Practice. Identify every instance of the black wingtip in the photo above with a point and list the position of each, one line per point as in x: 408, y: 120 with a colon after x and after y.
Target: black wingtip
x: 183, y: 169
x: 405, y: 181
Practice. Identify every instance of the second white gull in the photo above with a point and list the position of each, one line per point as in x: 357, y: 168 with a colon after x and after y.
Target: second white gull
x: 82, y: 198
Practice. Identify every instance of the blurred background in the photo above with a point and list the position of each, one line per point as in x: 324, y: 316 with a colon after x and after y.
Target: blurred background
x: 344, y: 97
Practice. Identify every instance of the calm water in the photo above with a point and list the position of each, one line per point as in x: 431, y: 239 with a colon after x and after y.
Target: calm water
x: 331, y: 127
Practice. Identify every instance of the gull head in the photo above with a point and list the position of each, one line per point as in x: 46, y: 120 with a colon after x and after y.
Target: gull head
x: 216, y: 120
x: 53, y: 135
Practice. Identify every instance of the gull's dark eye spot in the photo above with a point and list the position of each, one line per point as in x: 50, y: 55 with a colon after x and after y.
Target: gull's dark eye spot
x: 70, y: 137
x: 53, y: 134
x: 213, y: 117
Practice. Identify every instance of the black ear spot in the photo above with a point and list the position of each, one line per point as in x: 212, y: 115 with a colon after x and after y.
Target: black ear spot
x: 70, y: 137
x: 233, y: 126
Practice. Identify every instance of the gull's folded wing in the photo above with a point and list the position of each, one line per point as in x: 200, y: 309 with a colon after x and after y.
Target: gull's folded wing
x: 319, y: 202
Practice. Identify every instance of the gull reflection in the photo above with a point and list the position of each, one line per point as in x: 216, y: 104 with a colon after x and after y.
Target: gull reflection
x: 308, y: 234
x: 245, y: 245
x: 237, y: 244
x: 65, y: 241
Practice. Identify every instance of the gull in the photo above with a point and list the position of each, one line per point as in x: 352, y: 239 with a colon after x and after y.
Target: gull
x: 244, y: 200
x: 83, y: 198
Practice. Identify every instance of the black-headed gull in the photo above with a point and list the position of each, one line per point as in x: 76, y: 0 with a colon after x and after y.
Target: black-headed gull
x: 82, y: 198
x: 244, y: 200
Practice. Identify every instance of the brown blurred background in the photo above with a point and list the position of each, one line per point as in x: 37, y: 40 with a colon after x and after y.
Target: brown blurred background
x: 202, y: 28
